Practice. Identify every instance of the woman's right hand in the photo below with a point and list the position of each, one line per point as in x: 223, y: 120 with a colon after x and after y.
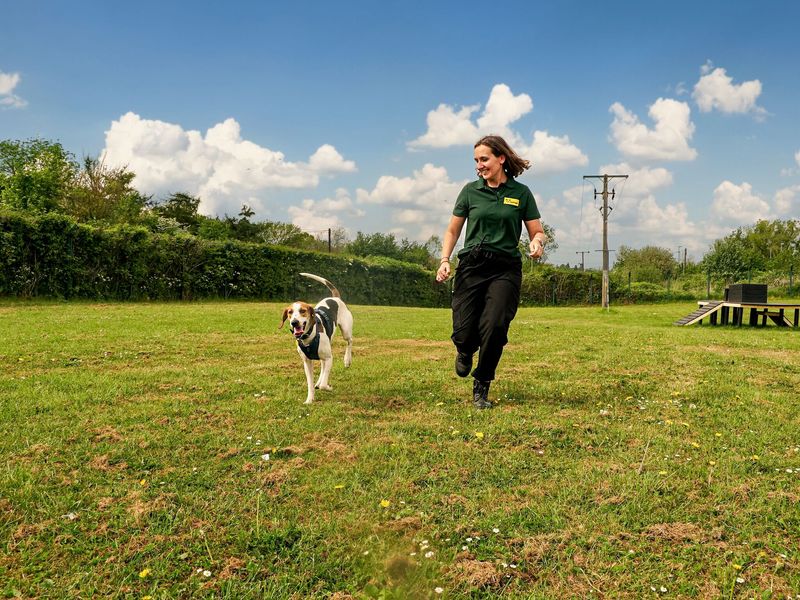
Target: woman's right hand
x: 444, y: 271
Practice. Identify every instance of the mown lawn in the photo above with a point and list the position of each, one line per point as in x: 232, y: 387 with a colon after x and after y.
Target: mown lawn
x: 163, y: 450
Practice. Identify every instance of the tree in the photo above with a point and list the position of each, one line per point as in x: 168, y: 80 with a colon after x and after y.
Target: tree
x: 651, y: 263
x: 182, y: 208
x: 376, y: 244
x: 105, y: 194
x: 284, y: 234
x: 728, y: 258
x: 35, y: 175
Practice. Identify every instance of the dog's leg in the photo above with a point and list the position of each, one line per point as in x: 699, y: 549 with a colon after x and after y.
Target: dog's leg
x: 325, y: 373
x: 308, y: 367
x: 346, y: 327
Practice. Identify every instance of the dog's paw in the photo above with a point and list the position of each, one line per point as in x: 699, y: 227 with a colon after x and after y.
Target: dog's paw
x: 324, y: 387
x: 308, y: 402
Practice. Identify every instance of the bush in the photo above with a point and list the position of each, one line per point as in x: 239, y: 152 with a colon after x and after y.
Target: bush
x: 53, y: 256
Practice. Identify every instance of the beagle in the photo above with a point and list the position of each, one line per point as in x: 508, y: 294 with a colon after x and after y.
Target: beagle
x: 313, y: 328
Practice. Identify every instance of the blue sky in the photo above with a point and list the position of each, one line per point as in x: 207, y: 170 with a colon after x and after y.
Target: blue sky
x: 363, y: 114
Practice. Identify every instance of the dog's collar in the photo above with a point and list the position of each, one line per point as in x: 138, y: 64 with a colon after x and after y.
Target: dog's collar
x: 310, y: 333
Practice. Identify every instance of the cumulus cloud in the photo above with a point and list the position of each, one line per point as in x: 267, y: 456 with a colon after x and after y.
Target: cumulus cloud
x: 8, y: 99
x: 736, y: 205
x: 715, y: 90
x: 550, y: 154
x: 449, y: 126
x: 787, y: 202
x: 220, y: 167
x: 667, y: 140
x: 319, y: 215
x: 419, y: 205
x: 641, y: 182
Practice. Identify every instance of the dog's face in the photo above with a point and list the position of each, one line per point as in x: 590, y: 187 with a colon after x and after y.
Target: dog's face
x: 301, y: 317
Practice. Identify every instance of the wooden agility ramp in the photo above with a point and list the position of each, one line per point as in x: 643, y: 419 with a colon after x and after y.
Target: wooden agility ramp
x: 701, y: 313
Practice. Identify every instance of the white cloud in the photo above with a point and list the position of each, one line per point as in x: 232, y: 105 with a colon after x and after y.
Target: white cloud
x: 715, y: 90
x: 8, y: 99
x: 797, y: 158
x: 327, y: 160
x: 737, y: 205
x: 315, y: 216
x: 550, y: 154
x: 787, y: 202
x: 502, y: 109
x: 421, y: 204
x: 668, y: 140
x: 220, y: 167
x: 641, y: 181
x: 448, y: 126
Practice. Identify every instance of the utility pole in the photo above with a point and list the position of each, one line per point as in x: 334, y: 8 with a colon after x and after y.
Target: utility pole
x: 605, y: 210
x: 582, y: 252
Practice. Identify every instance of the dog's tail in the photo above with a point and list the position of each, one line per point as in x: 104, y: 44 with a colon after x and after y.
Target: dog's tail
x: 334, y: 292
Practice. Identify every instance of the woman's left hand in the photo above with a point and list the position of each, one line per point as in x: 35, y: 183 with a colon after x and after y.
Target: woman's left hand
x: 537, y: 249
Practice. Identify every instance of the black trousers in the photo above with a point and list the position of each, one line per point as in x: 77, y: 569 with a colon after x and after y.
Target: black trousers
x: 485, y: 301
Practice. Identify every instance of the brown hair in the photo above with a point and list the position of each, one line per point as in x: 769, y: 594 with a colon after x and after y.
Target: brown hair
x: 514, y: 164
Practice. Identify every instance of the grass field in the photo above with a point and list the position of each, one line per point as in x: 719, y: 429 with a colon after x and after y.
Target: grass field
x: 163, y: 450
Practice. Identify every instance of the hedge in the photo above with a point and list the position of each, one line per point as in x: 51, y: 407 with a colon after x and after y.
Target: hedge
x: 53, y: 256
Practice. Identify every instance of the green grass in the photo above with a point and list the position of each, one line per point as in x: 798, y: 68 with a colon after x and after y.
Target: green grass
x: 624, y: 455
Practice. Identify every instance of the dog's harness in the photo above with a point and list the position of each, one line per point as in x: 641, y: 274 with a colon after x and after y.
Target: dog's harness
x: 322, y: 320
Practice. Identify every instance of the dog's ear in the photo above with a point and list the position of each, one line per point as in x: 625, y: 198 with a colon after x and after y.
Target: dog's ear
x: 285, y: 316
x: 311, y: 314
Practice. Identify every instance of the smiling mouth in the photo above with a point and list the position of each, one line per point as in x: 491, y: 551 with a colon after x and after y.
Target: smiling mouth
x: 297, y: 331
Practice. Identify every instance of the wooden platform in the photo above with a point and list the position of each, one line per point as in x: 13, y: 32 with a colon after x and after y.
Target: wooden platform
x: 720, y: 312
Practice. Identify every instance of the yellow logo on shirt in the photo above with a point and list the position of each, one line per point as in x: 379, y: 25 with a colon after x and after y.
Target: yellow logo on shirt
x: 511, y: 201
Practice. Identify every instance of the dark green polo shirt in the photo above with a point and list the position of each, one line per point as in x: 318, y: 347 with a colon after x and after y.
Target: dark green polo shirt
x: 495, y: 215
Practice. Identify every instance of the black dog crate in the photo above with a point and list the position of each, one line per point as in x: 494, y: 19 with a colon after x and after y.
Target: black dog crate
x: 747, y: 293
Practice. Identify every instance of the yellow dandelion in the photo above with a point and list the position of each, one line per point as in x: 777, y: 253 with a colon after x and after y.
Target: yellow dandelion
x: 456, y: 432
x: 712, y: 462
x: 737, y: 567
x: 338, y: 486
x: 143, y: 482
x: 440, y: 404
x: 479, y: 435
x: 718, y: 434
x: 144, y: 573
x: 755, y: 457
x: 662, y: 472
x: 385, y: 503
x: 695, y: 445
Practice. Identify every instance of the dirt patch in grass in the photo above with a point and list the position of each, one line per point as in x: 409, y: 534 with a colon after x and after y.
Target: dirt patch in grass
x: 330, y: 447
x: 102, y: 463
x: 229, y: 453
x: 677, y: 532
x: 107, y: 434
x: 404, y: 525
x: 273, y: 480
x: 233, y: 568
x: 473, y: 573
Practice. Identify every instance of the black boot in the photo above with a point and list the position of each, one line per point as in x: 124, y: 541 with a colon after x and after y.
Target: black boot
x: 463, y: 364
x: 480, y: 394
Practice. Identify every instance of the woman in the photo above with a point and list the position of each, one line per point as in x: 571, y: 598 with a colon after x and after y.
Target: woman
x: 489, y: 274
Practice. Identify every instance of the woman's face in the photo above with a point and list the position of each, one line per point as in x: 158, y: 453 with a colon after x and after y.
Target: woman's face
x: 489, y: 166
